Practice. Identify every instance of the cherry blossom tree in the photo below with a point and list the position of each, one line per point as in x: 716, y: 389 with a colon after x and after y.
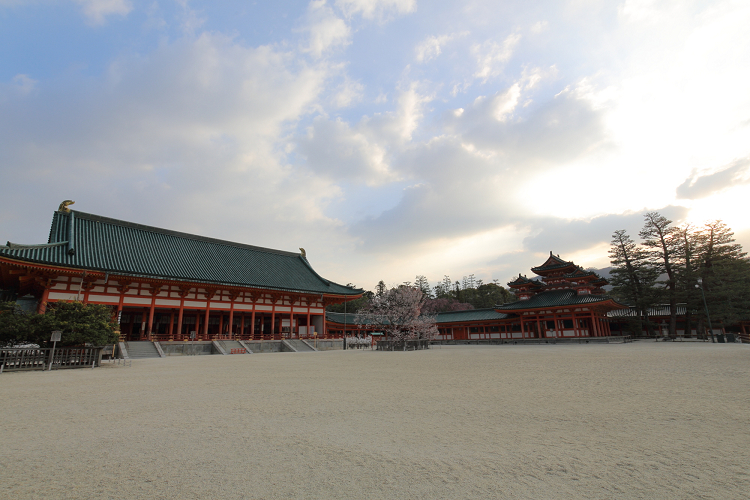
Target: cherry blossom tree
x: 399, y: 312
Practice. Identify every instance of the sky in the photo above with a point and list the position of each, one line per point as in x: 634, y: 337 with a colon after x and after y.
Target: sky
x: 388, y: 138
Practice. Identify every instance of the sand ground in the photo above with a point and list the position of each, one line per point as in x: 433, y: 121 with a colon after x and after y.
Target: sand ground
x: 642, y: 420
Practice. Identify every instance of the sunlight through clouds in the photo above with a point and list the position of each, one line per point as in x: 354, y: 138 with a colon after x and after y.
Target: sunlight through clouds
x: 387, y: 137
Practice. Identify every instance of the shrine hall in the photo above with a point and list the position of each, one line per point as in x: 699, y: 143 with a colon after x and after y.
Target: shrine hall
x: 170, y: 286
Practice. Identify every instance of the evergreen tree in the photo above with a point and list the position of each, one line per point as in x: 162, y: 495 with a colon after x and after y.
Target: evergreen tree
x: 662, y: 240
x: 422, y: 284
x: 15, y: 325
x: 725, y: 272
x: 686, y: 273
x: 632, y: 277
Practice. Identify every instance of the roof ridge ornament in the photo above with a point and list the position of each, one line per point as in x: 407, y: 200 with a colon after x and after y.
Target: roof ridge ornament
x: 302, y: 251
x: 63, y: 209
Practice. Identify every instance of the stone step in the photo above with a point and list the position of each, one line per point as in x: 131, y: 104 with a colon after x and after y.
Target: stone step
x: 141, y: 349
x: 300, y: 346
x: 231, y: 346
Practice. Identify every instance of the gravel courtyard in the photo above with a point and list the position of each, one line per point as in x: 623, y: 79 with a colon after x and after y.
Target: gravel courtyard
x: 642, y: 420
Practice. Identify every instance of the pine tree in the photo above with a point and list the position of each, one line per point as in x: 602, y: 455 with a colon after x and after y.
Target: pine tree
x: 662, y: 239
x: 725, y: 272
x: 632, y: 277
x: 686, y: 273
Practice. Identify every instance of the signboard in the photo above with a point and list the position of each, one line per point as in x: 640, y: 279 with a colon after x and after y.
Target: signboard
x: 56, y: 335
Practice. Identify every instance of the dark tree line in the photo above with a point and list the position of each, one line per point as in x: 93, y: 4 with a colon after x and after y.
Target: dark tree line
x: 680, y: 264
x: 447, y: 295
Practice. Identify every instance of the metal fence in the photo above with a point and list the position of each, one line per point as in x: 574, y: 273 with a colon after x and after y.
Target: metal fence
x: 45, y: 359
x: 402, y: 345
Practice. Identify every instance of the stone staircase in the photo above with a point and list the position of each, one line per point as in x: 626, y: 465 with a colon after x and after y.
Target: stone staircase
x: 229, y: 345
x: 300, y: 345
x: 141, y: 349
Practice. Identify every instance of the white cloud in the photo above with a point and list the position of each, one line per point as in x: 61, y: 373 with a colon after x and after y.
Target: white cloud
x: 491, y: 56
x: 376, y: 9
x: 325, y: 29
x: 334, y: 149
x: 539, y: 26
x: 96, y: 11
x: 504, y: 103
x: 191, y: 134
x: 431, y: 47
x: 348, y: 93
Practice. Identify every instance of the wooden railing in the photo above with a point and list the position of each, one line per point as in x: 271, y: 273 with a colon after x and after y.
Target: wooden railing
x: 39, y: 359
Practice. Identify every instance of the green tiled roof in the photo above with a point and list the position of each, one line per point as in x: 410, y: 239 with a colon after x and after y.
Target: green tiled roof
x: 470, y: 315
x: 553, y: 262
x: 523, y: 280
x: 660, y: 310
x: 91, y: 242
x: 555, y: 298
x: 348, y: 319
x: 443, y: 317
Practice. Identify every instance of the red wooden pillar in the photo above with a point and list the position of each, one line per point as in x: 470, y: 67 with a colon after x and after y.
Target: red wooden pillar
x: 595, y: 320
x: 143, y: 325
x: 42, y: 306
x: 208, y: 310
x: 523, y: 328
x: 231, y: 318
x: 151, y: 314
x: 179, y: 318
x: 252, y: 323
x: 325, y: 330
x: 171, y: 324
x: 273, y: 322
x: 242, y: 327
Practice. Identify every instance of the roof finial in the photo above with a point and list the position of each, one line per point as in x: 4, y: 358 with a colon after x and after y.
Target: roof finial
x: 304, y: 254
x: 64, y: 206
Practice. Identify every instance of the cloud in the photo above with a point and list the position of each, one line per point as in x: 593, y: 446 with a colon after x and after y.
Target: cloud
x: 539, y: 26
x: 348, y: 93
x: 553, y: 132
x: 702, y: 185
x: 396, y: 127
x: 325, y: 29
x: 567, y: 236
x: 97, y: 11
x: 22, y: 85
x: 192, y: 134
x: 376, y: 9
x: 333, y: 149
x: 491, y: 56
x: 431, y: 47
x: 464, y: 179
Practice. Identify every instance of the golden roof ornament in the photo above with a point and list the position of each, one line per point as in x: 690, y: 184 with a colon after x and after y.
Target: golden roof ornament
x: 302, y: 250
x: 64, y: 206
